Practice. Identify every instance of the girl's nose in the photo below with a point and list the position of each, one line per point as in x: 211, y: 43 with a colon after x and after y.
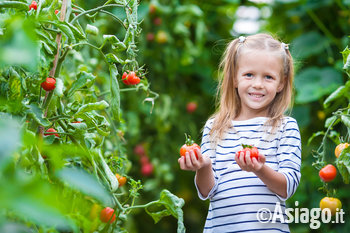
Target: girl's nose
x: 258, y: 82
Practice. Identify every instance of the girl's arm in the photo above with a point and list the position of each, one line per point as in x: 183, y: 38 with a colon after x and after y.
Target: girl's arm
x: 204, y: 173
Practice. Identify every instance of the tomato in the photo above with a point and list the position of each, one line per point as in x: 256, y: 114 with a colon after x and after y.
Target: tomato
x: 331, y: 203
x: 189, y: 145
x: 130, y: 79
x: 157, y: 21
x: 340, y: 148
x: 56, y: 12
x: 51, y: 130
x: 33, y: 5
x: 76, y: 122
x: 49, y: 84
x: 144, y: 160
x: 152, y: 9
x: 147, y: 169
x: 254, y: 152
x: 139, y: 150
x: 328, y: 173
x: 150, y: 36
x: 106, y: 215
x: 191, y: 107
x: 121, y: 179
x: 161, y: 37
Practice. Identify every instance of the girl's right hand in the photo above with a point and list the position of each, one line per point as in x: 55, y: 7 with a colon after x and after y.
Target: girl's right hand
x: 191, y: 163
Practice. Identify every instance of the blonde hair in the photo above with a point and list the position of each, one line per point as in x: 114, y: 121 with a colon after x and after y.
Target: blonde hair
x: 227, y: 98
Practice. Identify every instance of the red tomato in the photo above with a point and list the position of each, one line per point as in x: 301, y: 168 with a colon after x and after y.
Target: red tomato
x: 139, y: 150
x: 49, y: 84
x: 51, y: 130
x: 189, y: 146
x: 56, y: 12
x: 254, y: 152
x: 106, y: 215
x: 150, y: 36
x: 328, y: 173
x: 157, y: 21
x: 33, y: 5
x: 147, y: 169
x: 76, y: 122
x: 191, y: 107
x: 130, y: 79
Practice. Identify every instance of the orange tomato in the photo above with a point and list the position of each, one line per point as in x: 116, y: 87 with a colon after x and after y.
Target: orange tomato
x: 340, y: 148
x: 331, y: 203
x: 121, y: 179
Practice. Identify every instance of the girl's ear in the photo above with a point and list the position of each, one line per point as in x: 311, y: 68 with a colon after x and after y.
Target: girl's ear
x: 280, y: 86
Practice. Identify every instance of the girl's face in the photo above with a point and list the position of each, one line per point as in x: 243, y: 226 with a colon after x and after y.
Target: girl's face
x: 258, y: 81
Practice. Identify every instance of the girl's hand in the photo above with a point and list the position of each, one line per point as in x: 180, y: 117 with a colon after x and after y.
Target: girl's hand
x: 250, y: 165
x: 191, y: 163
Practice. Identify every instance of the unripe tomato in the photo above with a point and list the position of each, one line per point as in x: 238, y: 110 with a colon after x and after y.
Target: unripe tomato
x: 340, y: 148
x: 191, y: 107
x: 49, y: 84
x: 121, y: 179
x: 147, y: 169
x: 189, y: 145
x: 161, y: 37
x: 51, y: 130
x: 33, y: 5
x: 106, y: 215
x: 328, y: 173
x: 331, y: 203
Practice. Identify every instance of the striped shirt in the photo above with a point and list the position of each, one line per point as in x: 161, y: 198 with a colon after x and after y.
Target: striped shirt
x: 238, y: 195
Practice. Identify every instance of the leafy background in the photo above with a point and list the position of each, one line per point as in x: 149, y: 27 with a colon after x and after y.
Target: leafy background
x: 180, y: 45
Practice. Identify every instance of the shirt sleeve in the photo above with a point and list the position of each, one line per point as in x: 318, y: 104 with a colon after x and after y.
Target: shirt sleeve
x: 289, y: 156
x: 207, y: 149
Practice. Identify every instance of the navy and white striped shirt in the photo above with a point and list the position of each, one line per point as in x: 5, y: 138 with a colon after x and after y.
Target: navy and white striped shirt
x: 237, y: 195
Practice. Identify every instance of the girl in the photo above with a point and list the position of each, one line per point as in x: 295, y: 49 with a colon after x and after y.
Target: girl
x: 254, y: 93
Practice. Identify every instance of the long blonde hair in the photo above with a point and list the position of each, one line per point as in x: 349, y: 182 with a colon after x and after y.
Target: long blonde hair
x: 227, y: 99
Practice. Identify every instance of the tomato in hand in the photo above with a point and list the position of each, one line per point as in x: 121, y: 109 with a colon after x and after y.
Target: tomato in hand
x: 121, y: 179
x: 49, y: 84
x: 50, y: 131
x: 340, y: 148
x: 131, y: 78
x: 189, y: 145
x: 254, y: 152
x: 106, y: 215
x: 33, y: 5
x: 328, y: 173
x: 331, y: 203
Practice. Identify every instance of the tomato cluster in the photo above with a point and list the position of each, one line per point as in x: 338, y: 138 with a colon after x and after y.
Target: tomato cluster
x: 146, y: 165
x: 131, y: 78
x: 254, y: 152
x: 33, y: 5
x: 189, y: 145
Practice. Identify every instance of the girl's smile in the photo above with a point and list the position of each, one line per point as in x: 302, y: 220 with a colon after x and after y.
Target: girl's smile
x: 258, y: 81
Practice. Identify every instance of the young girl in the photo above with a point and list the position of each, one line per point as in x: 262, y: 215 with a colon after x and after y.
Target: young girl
x: 255, y: 92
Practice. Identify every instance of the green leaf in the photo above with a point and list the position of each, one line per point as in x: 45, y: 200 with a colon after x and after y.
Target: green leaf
x: 343, y: 164
x: 112, y: 179
x: 330, y: 120
x: 335, y: 95
x: 313, y: 83
x: 36, y: 112
x: 63, y: 27
x: 346, y: 120
x: 308, y: 44
x: 59, y: 87
x: 115, y: 93
x: 14, y: 4
x: 172, y: 205
x: 90, y: 107
x: 83, y: 79
x: 9, y: 135
x: 86, y: 183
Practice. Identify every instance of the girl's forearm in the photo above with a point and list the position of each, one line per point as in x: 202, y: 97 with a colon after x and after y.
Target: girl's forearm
x: 205, y: 180
x: 275, y: 181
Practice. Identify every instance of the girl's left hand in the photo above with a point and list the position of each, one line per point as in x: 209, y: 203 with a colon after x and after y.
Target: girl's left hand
x: 250, y: 165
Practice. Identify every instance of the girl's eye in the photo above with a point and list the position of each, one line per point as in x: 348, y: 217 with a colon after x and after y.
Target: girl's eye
x: 268, y: 77
x: 249, y: 75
